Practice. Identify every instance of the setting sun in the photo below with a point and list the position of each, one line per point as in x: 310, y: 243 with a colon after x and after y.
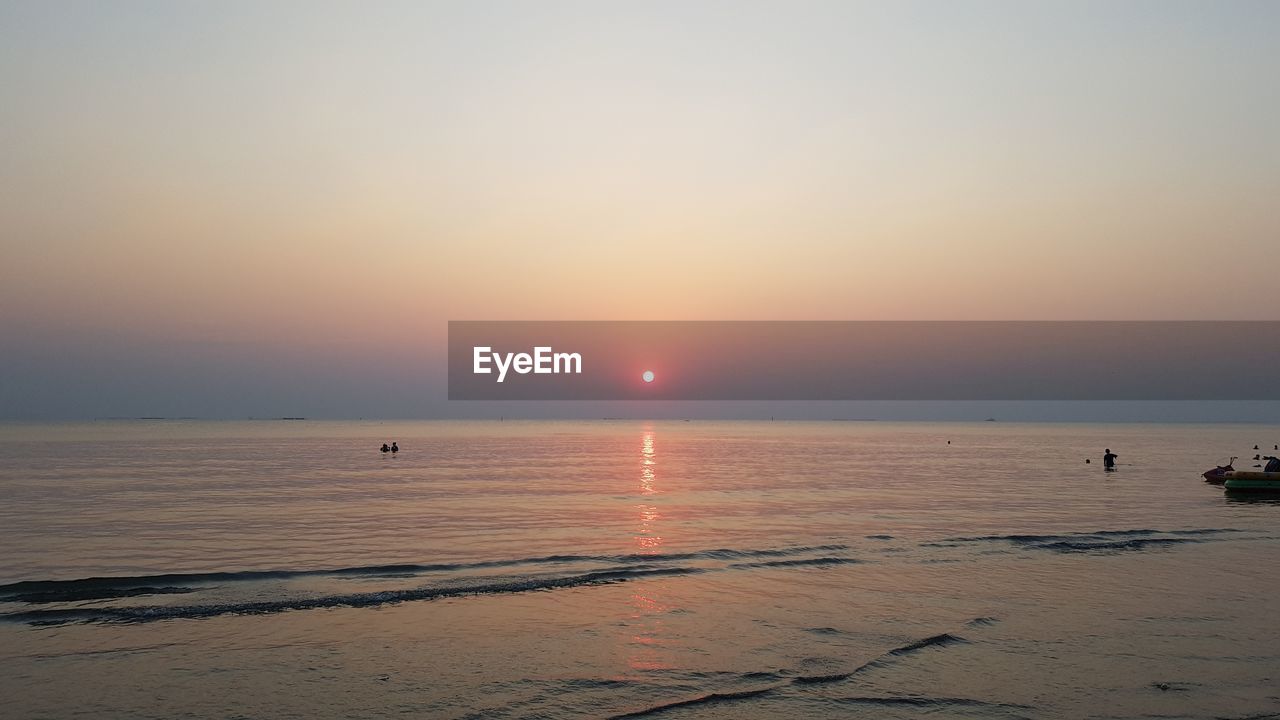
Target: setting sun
x: 647, y: 376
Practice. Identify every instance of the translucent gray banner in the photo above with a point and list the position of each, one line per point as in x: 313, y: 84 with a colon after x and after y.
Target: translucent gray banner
x: 814, y: 360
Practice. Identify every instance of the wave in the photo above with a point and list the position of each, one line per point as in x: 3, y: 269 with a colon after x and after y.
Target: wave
x: 174, y: 583
x: 538, y: 573
x: 920, y: 701
x: 941, y: 639
x: 95, y: 588
x: 1068, y: 546
x: 884, y: 659
x: 167, y: 612
x: 1098, y: 541
x: 888, y: 656
x: 89, y: 593
x: 700, y: 700
x: 798, y: 562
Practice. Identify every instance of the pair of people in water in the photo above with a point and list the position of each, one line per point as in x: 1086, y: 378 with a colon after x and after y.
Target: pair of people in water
x: 392, y: 448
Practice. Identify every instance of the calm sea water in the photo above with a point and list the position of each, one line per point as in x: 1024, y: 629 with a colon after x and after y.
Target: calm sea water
x: 602, y: 569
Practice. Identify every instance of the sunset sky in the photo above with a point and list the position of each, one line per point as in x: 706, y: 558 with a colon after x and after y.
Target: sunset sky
x: 234, y: 209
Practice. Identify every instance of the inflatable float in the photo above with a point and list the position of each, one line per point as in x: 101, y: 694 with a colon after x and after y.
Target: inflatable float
x: 1251, y: 481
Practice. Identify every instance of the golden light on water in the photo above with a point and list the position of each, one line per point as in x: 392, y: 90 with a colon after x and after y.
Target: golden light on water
x: 646, y: 639
x: 647, y: 463
x: 647, y: 539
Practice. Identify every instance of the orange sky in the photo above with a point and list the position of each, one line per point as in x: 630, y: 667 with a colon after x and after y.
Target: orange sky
x: 348, y: 180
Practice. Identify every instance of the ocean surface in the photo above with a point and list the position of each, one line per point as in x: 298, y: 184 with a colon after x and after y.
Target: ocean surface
x: 629, y: 569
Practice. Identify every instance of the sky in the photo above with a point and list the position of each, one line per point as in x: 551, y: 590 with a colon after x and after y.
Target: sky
x: 261, y: 209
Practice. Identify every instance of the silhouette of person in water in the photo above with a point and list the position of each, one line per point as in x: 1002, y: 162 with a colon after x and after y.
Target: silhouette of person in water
x: 394, y: 447
x: 385, y: 448
x: 1109, y: 460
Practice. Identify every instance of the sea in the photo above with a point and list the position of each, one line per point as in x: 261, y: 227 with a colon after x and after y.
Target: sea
x: 630, y: 569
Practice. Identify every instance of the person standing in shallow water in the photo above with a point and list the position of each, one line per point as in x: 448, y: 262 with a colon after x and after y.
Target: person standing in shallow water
x: 1109, y: 460
x: 394, y: 447
x: 385, y: 448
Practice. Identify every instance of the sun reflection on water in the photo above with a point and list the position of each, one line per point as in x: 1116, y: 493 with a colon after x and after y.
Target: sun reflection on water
x: 648, y: 463
x: 646, y: 640
x: 647, y: 540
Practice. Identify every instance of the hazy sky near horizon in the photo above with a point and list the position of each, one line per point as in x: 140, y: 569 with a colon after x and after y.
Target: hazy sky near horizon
x: 274, y: 208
